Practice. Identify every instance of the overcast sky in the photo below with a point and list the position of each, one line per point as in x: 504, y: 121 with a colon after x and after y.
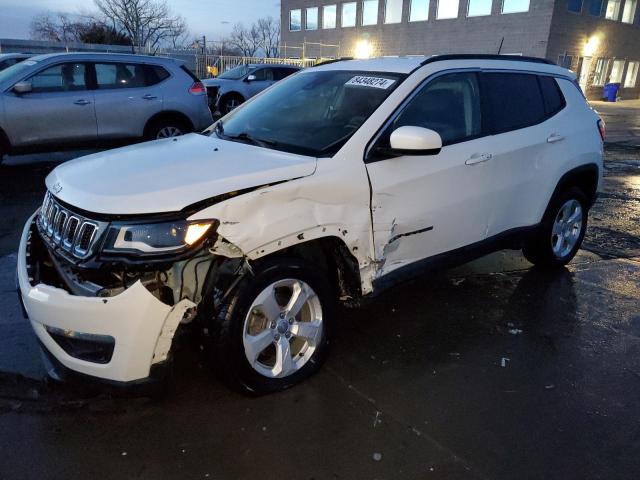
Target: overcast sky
x: 212, y: 18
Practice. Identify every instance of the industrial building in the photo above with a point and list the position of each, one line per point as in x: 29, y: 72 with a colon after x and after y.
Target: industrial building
x: 598, y: 39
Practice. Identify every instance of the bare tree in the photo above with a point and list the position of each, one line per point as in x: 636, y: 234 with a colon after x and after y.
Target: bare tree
x: 245, y: 40
x: 56, y: 28
x: 148, y: 23
x: 63, y: 28
x: 269, y: 32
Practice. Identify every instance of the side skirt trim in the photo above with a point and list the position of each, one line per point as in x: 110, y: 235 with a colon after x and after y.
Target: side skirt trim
x: 511, y: 239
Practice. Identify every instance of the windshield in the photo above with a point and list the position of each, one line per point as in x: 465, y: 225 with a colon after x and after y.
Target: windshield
x: 16, y: 69
x: 236, y: 73
x: 311, y: 113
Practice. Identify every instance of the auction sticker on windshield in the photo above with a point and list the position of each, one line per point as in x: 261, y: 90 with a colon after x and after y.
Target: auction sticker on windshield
x: 373, y: 82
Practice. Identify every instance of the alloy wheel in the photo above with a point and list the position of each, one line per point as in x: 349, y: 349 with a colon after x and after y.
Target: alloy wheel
x: 567, y: 228
x: 283, y: 328
x: 168, y: 132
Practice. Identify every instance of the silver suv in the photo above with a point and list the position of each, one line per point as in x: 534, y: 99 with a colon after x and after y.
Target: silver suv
x: 73, y: 99
x: 239, y: 84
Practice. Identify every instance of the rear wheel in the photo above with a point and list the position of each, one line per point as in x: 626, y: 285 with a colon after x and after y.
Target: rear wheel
x: 230, y: 102
x: 561, y: 232
x: 273, y: 332
x: 167, y: 128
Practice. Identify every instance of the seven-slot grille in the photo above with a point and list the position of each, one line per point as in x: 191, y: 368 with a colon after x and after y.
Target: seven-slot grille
x: 65, y: 229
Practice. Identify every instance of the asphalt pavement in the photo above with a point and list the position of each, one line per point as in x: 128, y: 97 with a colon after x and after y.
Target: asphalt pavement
x: 491, y: 371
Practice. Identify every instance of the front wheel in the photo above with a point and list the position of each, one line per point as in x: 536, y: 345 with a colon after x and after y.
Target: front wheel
x: 273, y: 332
x: 230, y: 102
x: 561, y: 232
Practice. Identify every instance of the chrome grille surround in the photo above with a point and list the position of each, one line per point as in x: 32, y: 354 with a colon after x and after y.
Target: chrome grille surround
x: 67, y: 230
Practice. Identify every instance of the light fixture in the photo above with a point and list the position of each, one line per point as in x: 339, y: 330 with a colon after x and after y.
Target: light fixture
x: 363, y: 49
x: 591, y: 46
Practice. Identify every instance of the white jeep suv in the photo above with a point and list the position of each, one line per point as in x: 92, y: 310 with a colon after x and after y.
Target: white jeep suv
x: 332, y: 185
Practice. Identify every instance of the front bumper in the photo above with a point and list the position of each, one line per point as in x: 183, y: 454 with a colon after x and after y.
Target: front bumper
x: 141, y: 326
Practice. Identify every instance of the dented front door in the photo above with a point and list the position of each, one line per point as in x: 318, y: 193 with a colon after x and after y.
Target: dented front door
x: 425, y: 205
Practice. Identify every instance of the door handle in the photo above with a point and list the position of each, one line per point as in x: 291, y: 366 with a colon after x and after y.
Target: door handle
x: 148, y: 96
x: 478, y: 158
x: 554, y: 137
x: 82, y: 102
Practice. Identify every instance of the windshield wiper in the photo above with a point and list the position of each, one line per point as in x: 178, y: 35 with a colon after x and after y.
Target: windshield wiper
x: 245, y: 137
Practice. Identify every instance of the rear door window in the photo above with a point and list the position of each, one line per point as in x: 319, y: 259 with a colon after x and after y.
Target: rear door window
x: 119, y: 75
x: 552, y: 95
x: 514, y: 101
x: 281, y: 73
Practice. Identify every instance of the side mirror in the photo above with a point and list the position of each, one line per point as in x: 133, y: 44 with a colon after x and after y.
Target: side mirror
x: 251, y: 78
x: 415, y: 141
x: 22, y: 87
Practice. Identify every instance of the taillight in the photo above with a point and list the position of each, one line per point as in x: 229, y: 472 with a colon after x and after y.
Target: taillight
x: 198, y: 88
x: 602, y: 129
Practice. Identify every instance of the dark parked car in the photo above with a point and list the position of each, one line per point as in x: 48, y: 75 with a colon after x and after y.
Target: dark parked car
x: 239, y: 84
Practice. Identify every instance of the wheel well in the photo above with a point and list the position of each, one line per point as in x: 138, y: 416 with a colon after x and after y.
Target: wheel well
x: 168, y: 115
x: 332, y: 255
x: 232, y: 93
x: 585, y: 178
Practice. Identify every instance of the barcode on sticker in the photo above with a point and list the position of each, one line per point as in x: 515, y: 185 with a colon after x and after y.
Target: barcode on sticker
x: 373, y: 82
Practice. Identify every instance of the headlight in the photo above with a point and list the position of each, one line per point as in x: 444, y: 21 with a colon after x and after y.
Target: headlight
x: 162, y: 237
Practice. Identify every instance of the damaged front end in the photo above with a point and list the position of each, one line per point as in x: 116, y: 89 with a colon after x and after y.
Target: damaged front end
x: 112, y: 312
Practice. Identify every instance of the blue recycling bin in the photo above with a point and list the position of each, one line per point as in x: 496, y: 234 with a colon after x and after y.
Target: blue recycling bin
x: 611, y: 91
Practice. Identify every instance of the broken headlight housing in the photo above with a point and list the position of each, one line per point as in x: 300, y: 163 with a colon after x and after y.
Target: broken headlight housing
x: 156, y: 238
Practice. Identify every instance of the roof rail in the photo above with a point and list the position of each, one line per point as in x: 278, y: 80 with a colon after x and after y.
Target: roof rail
x: 481, y: 56
x: 327, y: 62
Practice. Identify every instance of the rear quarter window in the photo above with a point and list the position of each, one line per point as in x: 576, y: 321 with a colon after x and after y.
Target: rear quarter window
x: 514, y: 101
x: 155, y: 74
x: 553, y: 99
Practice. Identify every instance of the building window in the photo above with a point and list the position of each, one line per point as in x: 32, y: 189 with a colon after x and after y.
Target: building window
x: 565, y: 61
x: 632, y: 74
x: 447, y: 9
x: 295, y: 20
x: 595, y: 7
x: 515, y: 6
x: 329, y: 16
x: 613, y: 10
x: 616, y: 71
x: 575, y: 6
x: 349, y: 14
x: 419, y: 11
x: 369, y: 12
x: 602, y: 65
x: 393, y: 11
x: 477, y: 8
x: 629, y: 12
x: 312, y: 18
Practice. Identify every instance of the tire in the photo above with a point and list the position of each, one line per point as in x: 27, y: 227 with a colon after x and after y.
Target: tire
x: 166, y: 128
x: 230, y: 102
x: 561, y: 232
x: 242, y: 328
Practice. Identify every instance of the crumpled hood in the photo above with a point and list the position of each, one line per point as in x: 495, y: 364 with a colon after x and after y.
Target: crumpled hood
x: 170, y: 174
